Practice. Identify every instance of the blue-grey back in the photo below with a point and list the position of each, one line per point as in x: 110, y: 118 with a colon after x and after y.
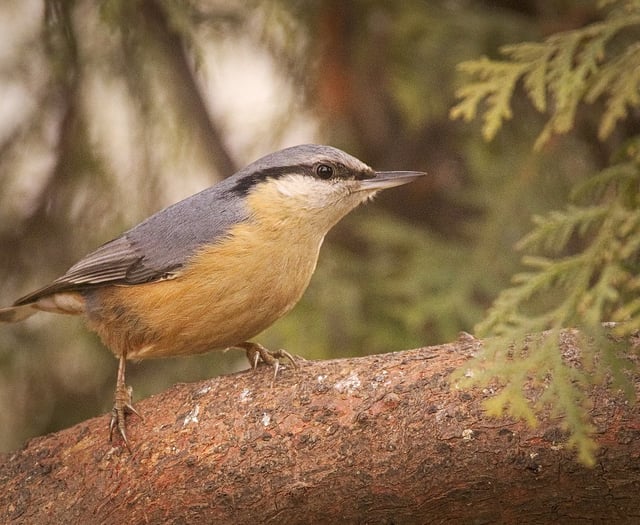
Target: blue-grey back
x: 168, y: 238
x: 160, y: 245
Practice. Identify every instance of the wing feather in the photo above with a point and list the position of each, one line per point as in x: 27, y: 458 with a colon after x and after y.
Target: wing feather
x: 116, y: 262
x: 108, y: 263
x: 158, y: 247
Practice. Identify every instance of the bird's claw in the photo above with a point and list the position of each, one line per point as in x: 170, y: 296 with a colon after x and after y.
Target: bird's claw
x: 121, y: 407
x: 256, y: 352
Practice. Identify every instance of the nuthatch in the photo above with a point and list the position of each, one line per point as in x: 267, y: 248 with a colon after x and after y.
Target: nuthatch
x: 215, y: 269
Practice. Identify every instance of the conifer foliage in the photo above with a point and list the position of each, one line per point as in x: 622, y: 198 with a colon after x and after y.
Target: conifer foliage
x: 582, y: 261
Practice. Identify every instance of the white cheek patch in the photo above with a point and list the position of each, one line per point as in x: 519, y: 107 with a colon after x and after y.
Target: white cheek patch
x: 313, y: 192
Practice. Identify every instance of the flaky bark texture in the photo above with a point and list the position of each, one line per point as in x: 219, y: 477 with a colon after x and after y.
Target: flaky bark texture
x: 380, y: 439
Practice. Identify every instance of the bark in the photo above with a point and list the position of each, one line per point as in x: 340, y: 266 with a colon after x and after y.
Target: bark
x: 379, y: 439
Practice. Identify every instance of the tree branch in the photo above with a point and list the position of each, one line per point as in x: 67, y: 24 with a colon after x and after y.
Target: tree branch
x: 378, y: 439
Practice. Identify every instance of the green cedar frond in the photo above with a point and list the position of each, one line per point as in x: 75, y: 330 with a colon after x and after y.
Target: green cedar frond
x: 621, y: 177
x: 553, y: 232
x: 573, y: 60
x: 585, y: 289
x: 582, y: 262
x: 496, y: 83
x: 618, y: 81
x: 557, y: 74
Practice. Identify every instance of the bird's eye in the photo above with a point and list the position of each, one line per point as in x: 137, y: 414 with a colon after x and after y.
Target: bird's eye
x: 324, y: 171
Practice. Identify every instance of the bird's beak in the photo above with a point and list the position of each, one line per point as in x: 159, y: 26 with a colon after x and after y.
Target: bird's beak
x: 389, y: 179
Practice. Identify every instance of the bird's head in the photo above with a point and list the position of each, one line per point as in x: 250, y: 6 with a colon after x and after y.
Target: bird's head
x: 312, y: 183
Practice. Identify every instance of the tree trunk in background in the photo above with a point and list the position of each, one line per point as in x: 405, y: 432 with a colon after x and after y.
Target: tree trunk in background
x: 181, y: 83
x: 379, y: 439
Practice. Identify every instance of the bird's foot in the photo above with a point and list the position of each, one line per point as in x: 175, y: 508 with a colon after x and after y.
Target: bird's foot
x: 121, y: 407
x: 256, y: 352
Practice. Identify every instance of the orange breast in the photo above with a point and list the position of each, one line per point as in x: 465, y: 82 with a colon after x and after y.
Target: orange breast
x: 226, y: 294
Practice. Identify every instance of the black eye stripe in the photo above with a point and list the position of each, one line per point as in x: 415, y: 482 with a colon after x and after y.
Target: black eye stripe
x: 338, y: 171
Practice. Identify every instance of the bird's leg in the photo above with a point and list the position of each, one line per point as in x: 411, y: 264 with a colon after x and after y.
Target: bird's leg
x: 122, y: 404
x: 256, y: 352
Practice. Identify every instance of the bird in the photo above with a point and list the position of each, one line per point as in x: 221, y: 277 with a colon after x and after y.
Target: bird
x: 214, y: 270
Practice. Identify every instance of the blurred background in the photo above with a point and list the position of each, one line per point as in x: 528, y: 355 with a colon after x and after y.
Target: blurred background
x: 113, y: 109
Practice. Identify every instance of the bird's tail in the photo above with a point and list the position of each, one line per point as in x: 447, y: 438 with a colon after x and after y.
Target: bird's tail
x: 13, y: 314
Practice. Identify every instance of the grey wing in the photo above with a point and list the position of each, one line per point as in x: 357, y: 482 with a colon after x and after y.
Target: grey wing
x: 108, y: 263
x: 116, y: 262
x: 156, y: 248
